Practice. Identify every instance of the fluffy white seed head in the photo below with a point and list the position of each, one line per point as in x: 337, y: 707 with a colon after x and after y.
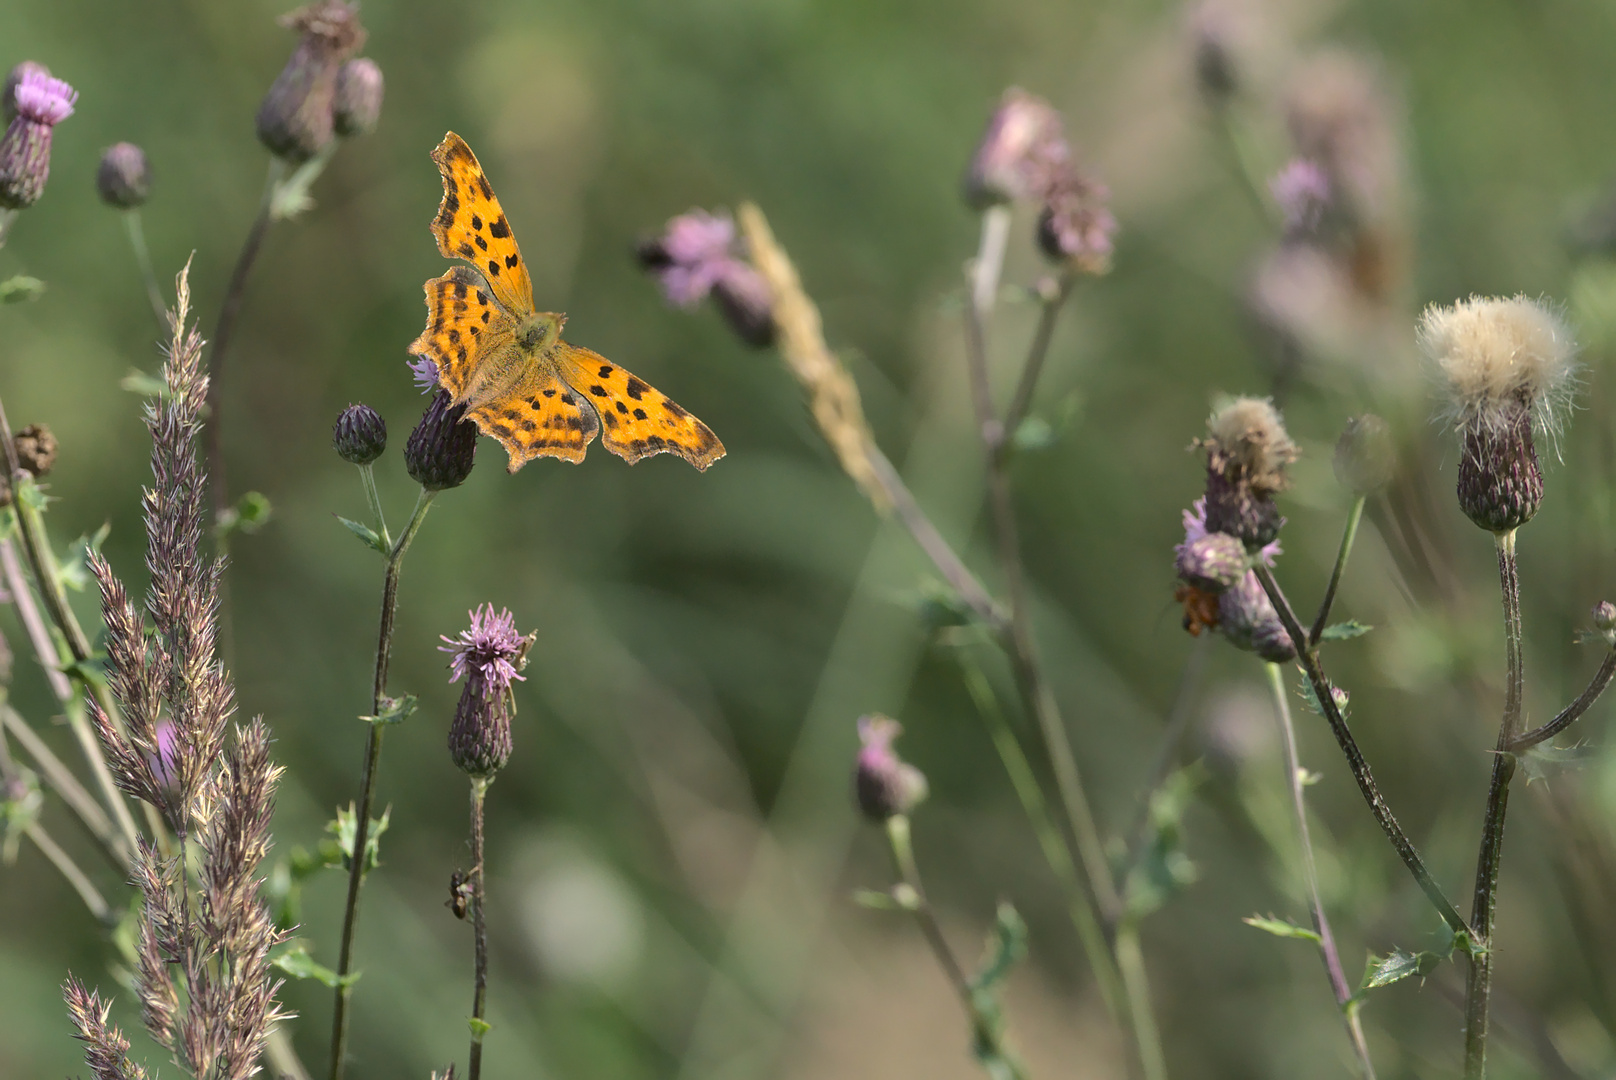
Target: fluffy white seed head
x: 1495, y: 356
x: 1249, y: 431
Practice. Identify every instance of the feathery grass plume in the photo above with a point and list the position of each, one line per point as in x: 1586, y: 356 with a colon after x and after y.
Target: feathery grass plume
x: 107, y: 1052
x: 1508, y: 368
x: 177, y: 701
x: 297, y: 117
x: 884, y: 785
x: 1247, y: 453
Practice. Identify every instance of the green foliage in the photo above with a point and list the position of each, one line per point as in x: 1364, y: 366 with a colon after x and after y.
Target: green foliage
x: 1281, y: 928
x: 1163, y: 869
x: 20, y: 288
x: 395, y: 710
x: 1398, y: 965
x: 251, y: 513
x: 297, y: 963
x: 367, y: 536
x: 1345, y: 631
x: 339, y: 851
x: 1545, y: 760
x: 74, y: 569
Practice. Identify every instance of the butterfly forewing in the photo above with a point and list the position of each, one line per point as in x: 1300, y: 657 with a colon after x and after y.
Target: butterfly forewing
x: 636, y: 419
x: 471, y: 225
x: 464, y: 327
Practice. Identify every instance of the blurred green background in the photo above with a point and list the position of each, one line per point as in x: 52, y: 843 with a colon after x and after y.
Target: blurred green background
x: 672, y: 848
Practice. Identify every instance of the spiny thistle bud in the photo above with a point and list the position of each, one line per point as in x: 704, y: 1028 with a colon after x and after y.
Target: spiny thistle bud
x: 442, y: 449
x: 1508, y: 366
x: 123, y: 179
x: 489, y: 656
x: 1249, y: 621
x: 1365, y: 459
x: 40, y: 103
x: 697, y: 255
x: 1021, y: 154
x: 360, y: 435
x: 1247, y: 452
x: 296, y: 119
x: 36, y: 449
x: 884, y: 785
x: 1074, y: 226
x: 8, y: 97
x: 358, y: 103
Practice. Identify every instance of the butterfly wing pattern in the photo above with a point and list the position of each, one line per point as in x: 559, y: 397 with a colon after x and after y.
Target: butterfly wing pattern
x: 501, y: 359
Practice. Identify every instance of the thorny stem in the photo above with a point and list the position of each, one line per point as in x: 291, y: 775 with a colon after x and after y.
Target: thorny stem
x: 479, y: 928
x: 1321, y: 922
x: 988, y: 1035
x: 1348, y: 534
x: 137, y: 240
x: 1569, y: 715
x: 1478, y: 987
x: 367, y: 783
x: 1057, y: 853
x: 1309, y: 660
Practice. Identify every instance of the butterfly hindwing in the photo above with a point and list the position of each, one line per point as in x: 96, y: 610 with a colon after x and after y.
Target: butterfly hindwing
x: 636, y: 419
x: 471, y: 225
x: 541, y: 417
x: 463, y: 327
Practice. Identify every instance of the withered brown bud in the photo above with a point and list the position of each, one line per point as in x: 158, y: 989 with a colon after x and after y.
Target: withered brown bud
x: 36, y: 449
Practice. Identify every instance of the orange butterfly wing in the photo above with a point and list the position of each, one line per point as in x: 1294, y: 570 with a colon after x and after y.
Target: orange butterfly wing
x: 463, y: 327
x: 471, y: 225
x: 541, y: 417
x: 636, y: 420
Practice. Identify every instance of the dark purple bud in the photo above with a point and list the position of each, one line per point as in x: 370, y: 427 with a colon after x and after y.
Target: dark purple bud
x: 489, y: 656
x: 1215, y: 67
x: 884, y: 785
x: 1022, y: 152
x: 358, y: 104
x: 360, y: 435
x: 296, y: 119
x: 39, y: 103
x: 123, y: 179
x: 1214, y: 562
x: 1500, y: 483
x: 442, y: 449
x: 36, y: 449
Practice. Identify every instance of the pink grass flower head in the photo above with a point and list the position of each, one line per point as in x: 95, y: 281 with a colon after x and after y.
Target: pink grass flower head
x: 37, y: 103
x: 489, y: 656
x: 698, y: 256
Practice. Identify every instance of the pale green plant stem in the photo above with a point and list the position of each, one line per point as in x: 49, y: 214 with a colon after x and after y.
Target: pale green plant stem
x: 61, y: 780
x: 1348, y: 535
x: 137, y: 240
x: 1321, y: 922
x: 1478, y: 987
x: 367, y: 783
x: 479, y: 927
x: 368, y: 476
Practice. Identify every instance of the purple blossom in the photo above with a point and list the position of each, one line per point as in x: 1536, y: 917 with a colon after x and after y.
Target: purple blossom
x: 424, y: 370
x: 1195, y: 528
x: 1302, y: 190
x: 1022, y: 155
x: 43, y: 99
x: 489, y: 651
x: 698, y: 255
x: 883, y: 784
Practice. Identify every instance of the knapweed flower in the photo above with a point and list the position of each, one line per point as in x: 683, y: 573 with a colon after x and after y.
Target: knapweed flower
x: 1247, y: 453
x: 123, y: 179
x: 360, y: 435
x: 40, y: 103
x: 440, y: 452
x: 1022, y: 152
x: 358, y: 103
x: 296, y: 118
x: 1507, y: 367
x: 489, y: 657
x: 696, y: 256
x: 884, y: 785
x: 1302, y: 190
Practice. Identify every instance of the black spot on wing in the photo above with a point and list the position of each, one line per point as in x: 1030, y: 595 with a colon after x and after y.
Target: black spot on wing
x: 511, y: 260
x: 493, y: 268
x: 498, y: 229
x: 636, y: 389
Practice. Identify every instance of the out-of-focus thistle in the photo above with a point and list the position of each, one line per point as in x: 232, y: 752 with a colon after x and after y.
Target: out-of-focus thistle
x: 1508, y: 367
x: 1302, y: 191
x: 1220, y: 592
x: 358, y: 103
x: 36, y: 103
x: 1247, y: 453
x: 440, y: 452
x: 883, y: 784
x: 297, y: 118
x: 1075, y: 227
x: 698, y: 255
x: 123, y: 179
x: 202, y: 969
x: 1216, y: 70
x: 489, y: 655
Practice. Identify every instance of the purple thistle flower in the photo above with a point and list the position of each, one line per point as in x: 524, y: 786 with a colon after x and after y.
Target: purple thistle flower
x: 1022, y: 155
x: 43, y: 99
x: 697, y: 255
x: 40, y: 102
x: 424, y: 370
x: 490, y: 650
x: 1302, y: 190
x: 489, y: 656
x: 1195, y: 529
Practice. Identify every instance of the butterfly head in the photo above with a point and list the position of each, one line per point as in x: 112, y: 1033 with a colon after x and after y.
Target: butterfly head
x: 540, y: 330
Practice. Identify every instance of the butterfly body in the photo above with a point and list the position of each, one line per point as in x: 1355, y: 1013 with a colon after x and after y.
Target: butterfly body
x: 505, y: 362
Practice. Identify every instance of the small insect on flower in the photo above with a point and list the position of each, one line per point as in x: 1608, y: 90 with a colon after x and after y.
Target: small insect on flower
x: 1200, y: 608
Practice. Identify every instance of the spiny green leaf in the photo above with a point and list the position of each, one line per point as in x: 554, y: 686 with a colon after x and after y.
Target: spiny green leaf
x: 395, y: 710
x: 1311, y: 700
x: 479, y: 1028
x: 343, y: 828
x: 365, y: 534
x: 1281, y: 928
x: 1399, y: 965
x: 1545, y: 760
x: 1345, y: 631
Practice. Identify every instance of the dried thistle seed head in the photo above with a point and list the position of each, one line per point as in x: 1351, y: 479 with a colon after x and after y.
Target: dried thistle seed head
x: 1507, y: 366
x: 296, y: 119
x: 360, y: 435
x: 442, y: 449
x: 40, y: 103
x: 1249, y: 621
x: 1247, y: 453
x: 1021, y: 153
x: 884, y: 785
x: 698, y: 254
x: 358, y: 103
x: 489, y: 656
x: 123, y: 178
x: 36, y: 449
x: 1365, y: 459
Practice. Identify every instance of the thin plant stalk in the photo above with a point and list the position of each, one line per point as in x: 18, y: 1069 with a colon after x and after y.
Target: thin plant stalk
x: 1348, y: 534
x: 1172, y: 738
x: 987, y: 1033
x: 367, y: 783
x: 1054, y: 299
x: 1131, y: 964
x: 1478, y: 987
x: 479, y: 929
x: 1321, y: 922
x: 1569, y: 715
x: 367, y: 476
x: 61, y: 780
x: 137, y: 240
x: 1308, y: 658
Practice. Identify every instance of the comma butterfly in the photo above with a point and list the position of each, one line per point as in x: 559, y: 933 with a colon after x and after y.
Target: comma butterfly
x: 505, y: 361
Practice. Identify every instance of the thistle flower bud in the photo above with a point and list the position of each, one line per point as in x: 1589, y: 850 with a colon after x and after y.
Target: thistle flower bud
x: 39, y: 103
x: 697, y: 255
x: 1365, y: 459
x: 1021, y: 153
x: 360, y: 435
x: 123, y: 179
x: 884, y: 785
x: 1508, y: 367
x: 1214, y: 562
x: 8, y: 97
x: 1074, y: 226
x: 1247, y: 452
x: 489, y: 656
x: 296, y: 118
x: 358, y: 103
x: 36, y: 449
x: 442, y: 449
x: 1249, y: 621
x: 1605, y: 616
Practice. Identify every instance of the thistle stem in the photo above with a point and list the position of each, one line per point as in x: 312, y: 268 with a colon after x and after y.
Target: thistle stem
x: 1321, y: 922
x: 1348, y: 534
x: 367, y: 783
x: 137, y: 240
x: 1478, y: 987
x: 479, y: 928
x: 367, y: 476
x: 1569, y: 715
x: 1048, y: 313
